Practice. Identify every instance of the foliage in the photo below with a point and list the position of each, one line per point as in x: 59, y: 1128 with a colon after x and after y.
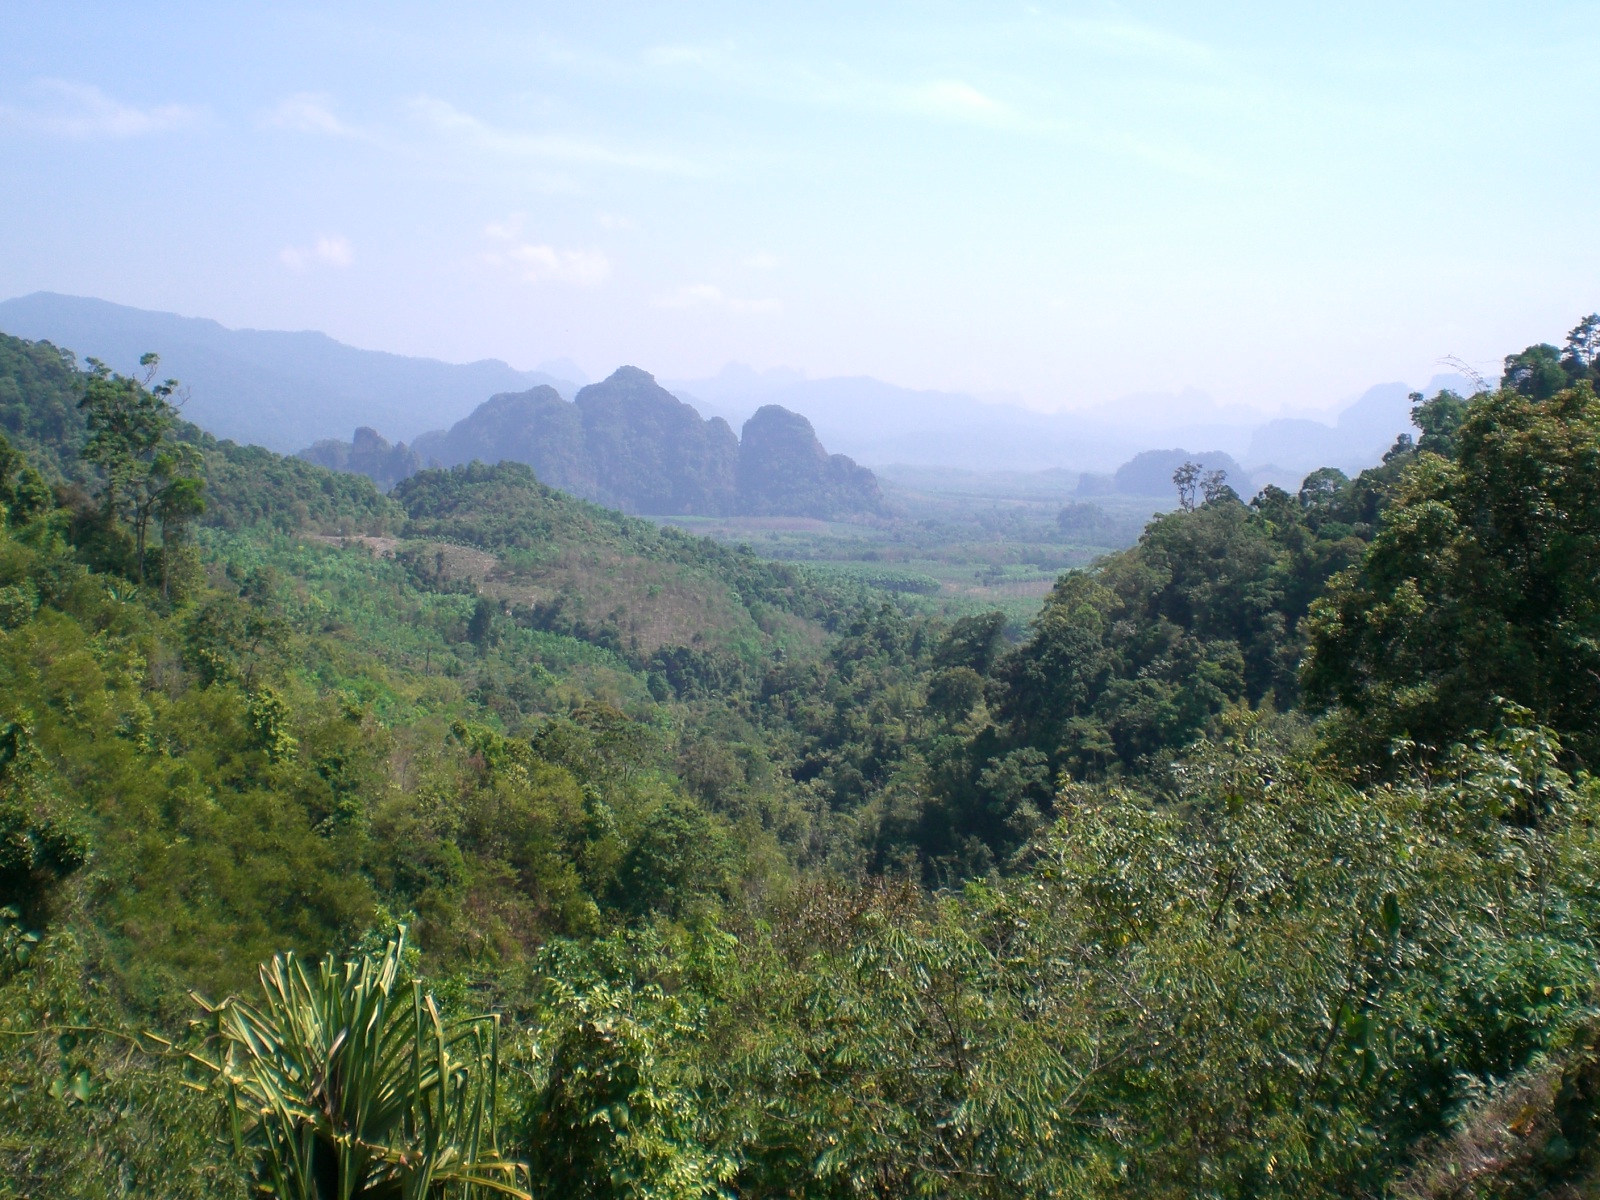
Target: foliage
x: 149, y: 475
x: 88, y: 1108
x: 1129, y: 663
x: 1478, y: 589
x: 40, y: 388
x: 1274, y: 985
x: 342, y: 1086
x: 252, y: 488
x: 613, y: 1114
x: 41, y: 411
x: 42, y: 841
x: 807, y: 893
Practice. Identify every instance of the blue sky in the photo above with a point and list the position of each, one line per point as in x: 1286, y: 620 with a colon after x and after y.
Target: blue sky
x: 1276, y: 203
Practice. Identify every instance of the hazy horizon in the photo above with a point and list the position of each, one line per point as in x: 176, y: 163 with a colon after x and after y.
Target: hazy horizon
x: 1072, y: 204
x: 1173, y: 407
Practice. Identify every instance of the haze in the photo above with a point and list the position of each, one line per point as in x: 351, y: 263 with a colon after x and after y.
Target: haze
x: 1070, y: 203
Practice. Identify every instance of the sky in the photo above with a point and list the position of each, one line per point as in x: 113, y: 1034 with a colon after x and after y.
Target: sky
x: 1276, y: 203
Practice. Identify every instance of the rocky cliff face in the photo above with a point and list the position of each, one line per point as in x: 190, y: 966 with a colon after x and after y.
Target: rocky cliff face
x: 785, y: 471
x: 369, y: 454
x: 630, y: 444
x: 652, y: 453
x: 536, y: 427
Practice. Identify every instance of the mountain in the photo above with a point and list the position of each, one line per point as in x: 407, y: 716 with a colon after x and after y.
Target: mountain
x: 370, y: 454
x: 275, y: 389
x: 1358, y: 437
x: 628, y: 443
x: 784, y: 471
x: 563, y: 368
x: 881, y: 424
x: 736, y: 390
x: 536, y: 427
x: 652, y: 452
x: 285, y: 390
x: 1149, y: 473
x: 624, y: 442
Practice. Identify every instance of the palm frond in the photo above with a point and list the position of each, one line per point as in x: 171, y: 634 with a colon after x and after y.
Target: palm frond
x: 338, y: 1086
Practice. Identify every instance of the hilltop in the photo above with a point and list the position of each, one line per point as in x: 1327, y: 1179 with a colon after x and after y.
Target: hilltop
x: 558, y: 562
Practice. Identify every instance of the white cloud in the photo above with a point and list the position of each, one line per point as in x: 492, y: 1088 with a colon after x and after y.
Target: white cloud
x: 952, y: 98
x: 328, y: 252
x: 614, y: 221
x: 445, y: 118
x: 80, y: 110
x: 309, y: 113
x: 504, y: 231
x: 536, y: 262
x: 709, y: 295
x: 539, y: 263
x: 762, y: 261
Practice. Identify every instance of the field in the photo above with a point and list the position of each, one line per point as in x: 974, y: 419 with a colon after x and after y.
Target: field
x: 964, y: 541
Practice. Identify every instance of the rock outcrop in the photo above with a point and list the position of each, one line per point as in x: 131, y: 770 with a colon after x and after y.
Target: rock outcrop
x: 630, y: 444
x: 785, y: 471
x: 369, y: 454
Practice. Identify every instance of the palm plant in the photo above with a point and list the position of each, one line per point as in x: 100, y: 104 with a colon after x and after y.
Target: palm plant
x: 345, y: 1085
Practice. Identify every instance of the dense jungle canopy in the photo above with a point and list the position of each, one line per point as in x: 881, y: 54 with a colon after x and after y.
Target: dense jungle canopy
x: 1262, y: 863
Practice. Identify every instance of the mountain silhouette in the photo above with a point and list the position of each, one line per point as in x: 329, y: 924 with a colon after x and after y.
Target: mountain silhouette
x: 630, y: 444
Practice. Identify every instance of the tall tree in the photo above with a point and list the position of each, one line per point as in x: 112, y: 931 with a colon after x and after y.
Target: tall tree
x: 149, y: 474
x: 178, y: 504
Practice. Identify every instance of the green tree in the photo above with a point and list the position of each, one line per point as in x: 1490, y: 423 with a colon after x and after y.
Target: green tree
x: 1187, y: 480
x: 131, y: 426
x: 481, y: 626
x: 614, y: 1115
x: 1582, y: 355
x: 23, y: 490
x: 1440, y: 420
x: 178, y: 505
x: 1536, y: 372
x: 42, y: 840
x: 1478, y: 589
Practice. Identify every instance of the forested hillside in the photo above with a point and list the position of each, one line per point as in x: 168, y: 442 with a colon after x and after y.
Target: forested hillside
x: 1262, y: 863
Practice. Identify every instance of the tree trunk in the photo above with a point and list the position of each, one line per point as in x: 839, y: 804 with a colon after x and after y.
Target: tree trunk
x: 140, y: 523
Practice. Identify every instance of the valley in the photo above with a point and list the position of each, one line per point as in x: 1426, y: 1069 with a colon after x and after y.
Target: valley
x: 1057, y: 803
x: 799, y: 602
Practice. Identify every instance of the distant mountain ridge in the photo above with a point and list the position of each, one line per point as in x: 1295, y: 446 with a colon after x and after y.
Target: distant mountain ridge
x: 274, y: 389
x: 881, y: 424
x: 289, y: 390
x: 630, y: 444
x: 1149, y: 473
x: 1360, y: 434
